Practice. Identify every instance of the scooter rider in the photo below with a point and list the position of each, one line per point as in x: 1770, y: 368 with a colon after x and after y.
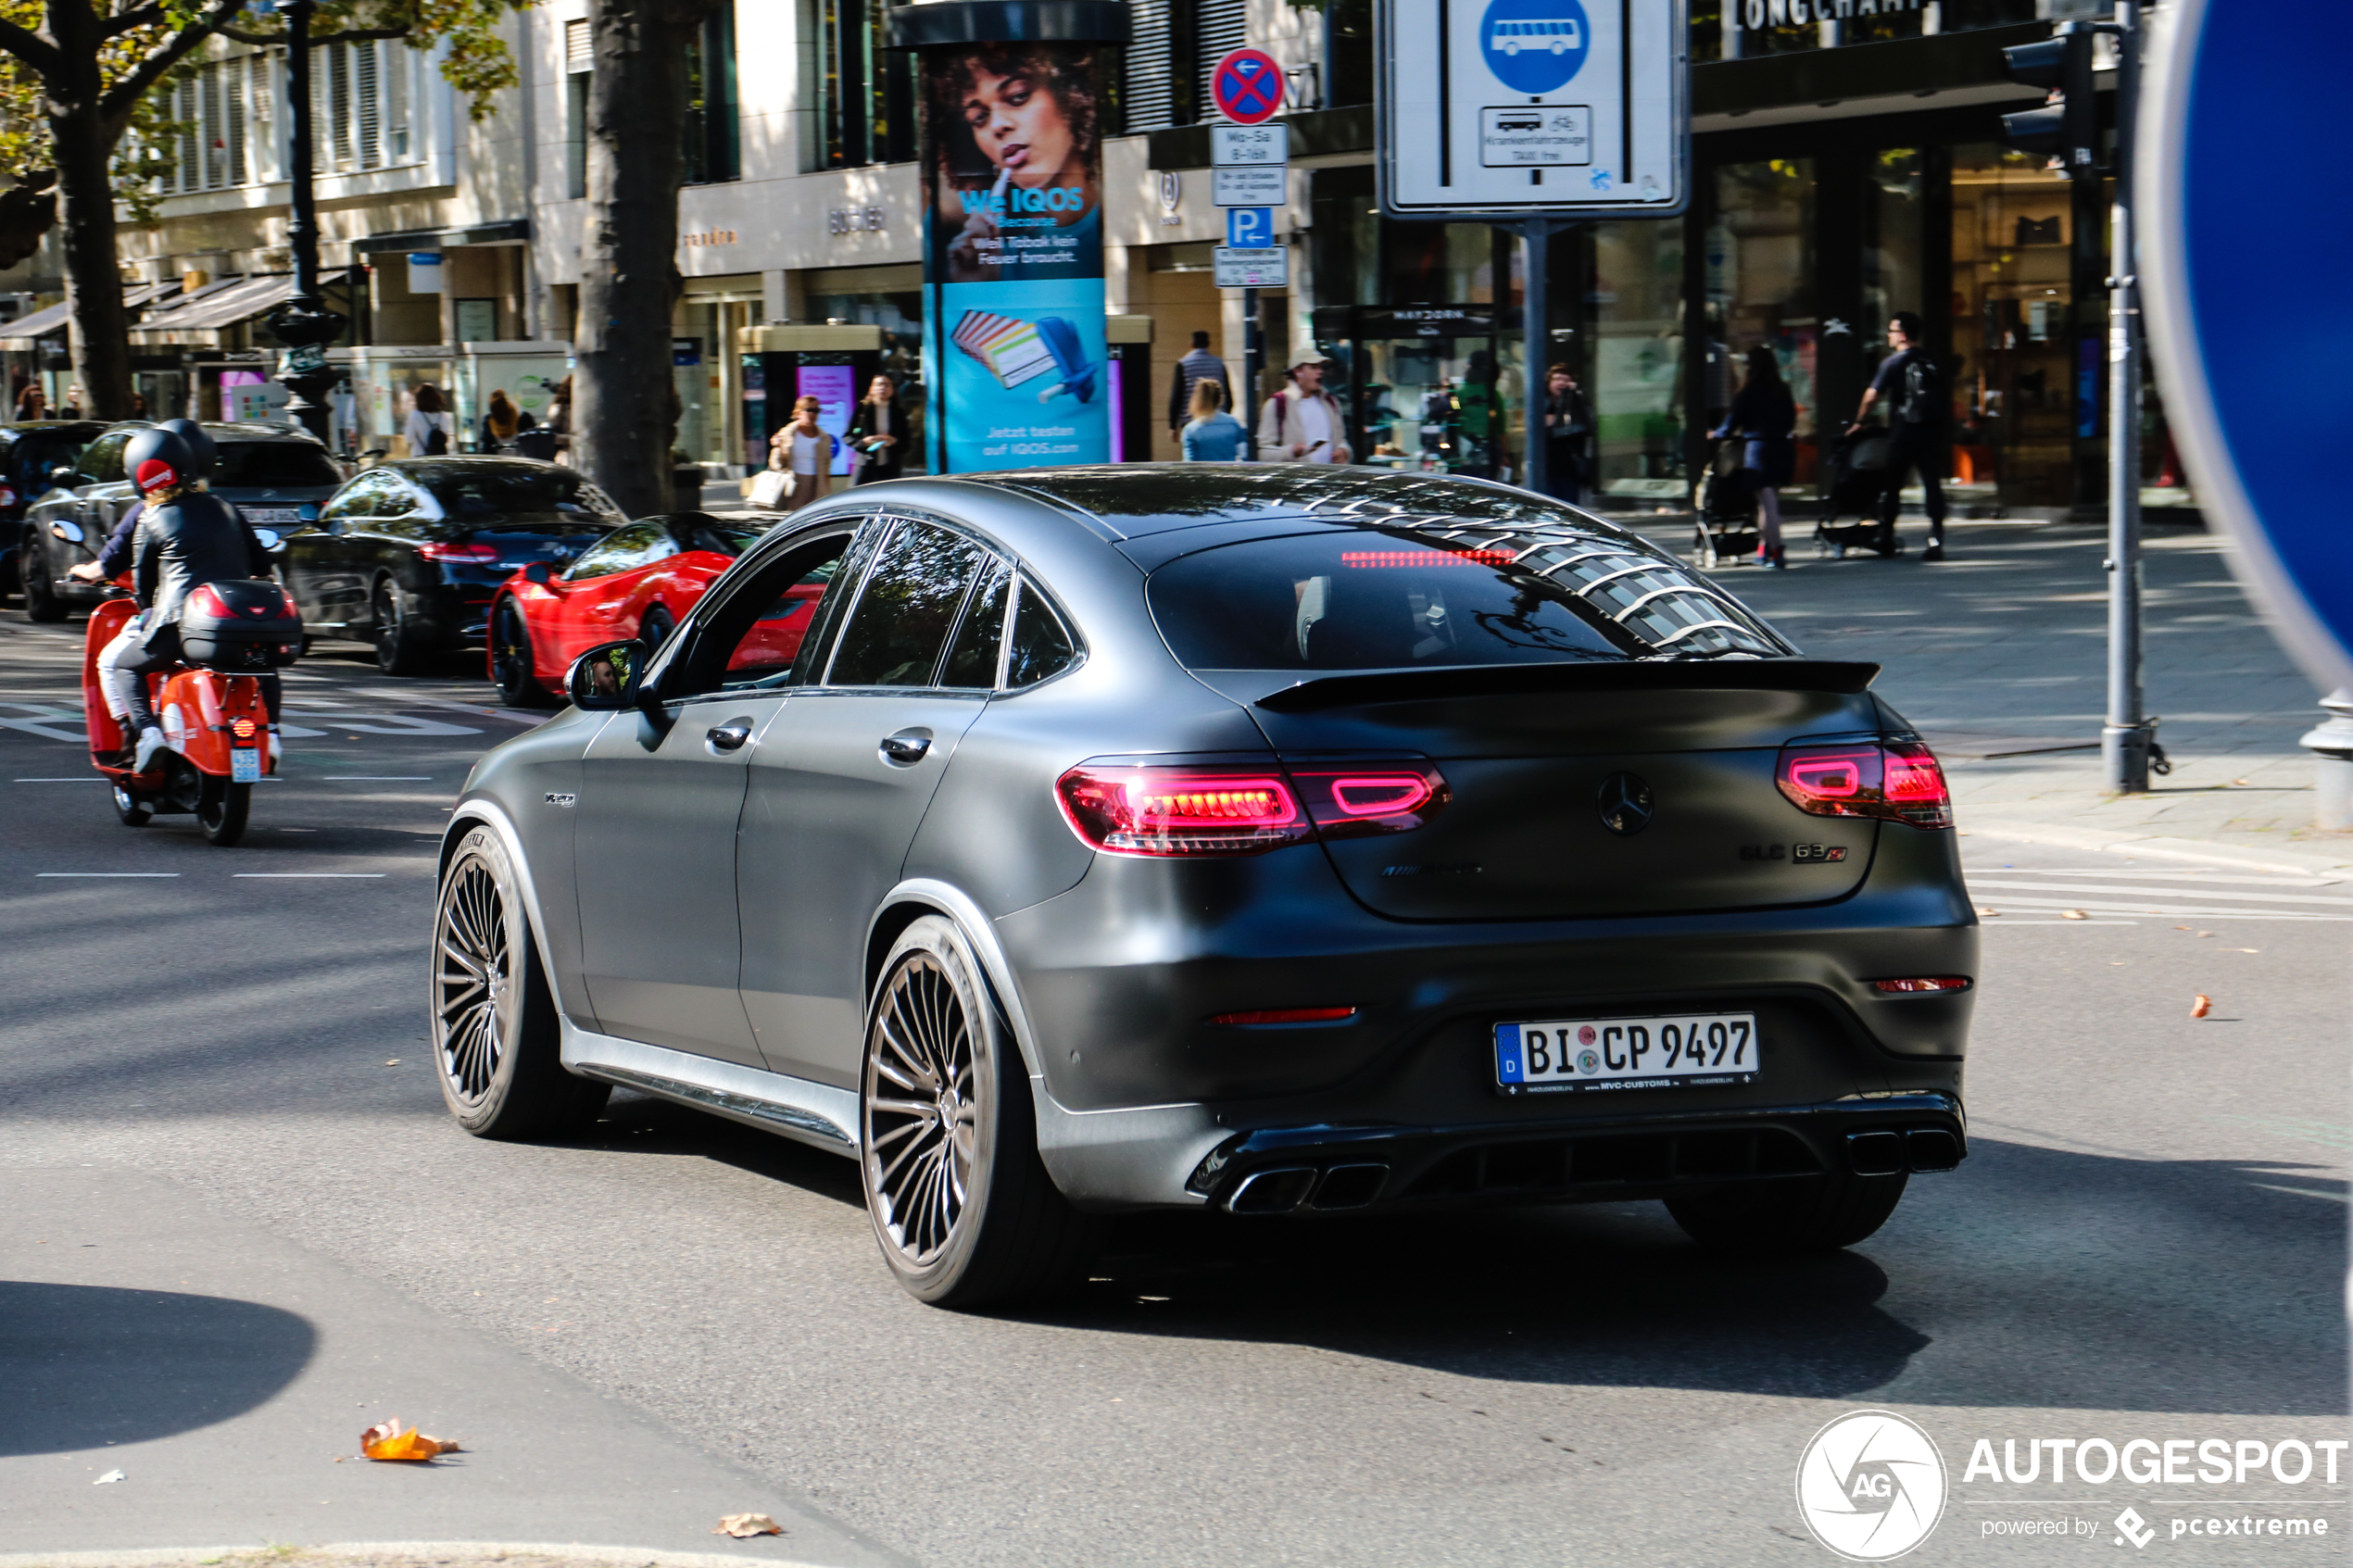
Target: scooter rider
x: 115, y: 560
x: 184, y: 539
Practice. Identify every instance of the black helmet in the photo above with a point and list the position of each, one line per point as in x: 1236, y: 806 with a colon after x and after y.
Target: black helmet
x: 201, y: 452
x: 156, y: 458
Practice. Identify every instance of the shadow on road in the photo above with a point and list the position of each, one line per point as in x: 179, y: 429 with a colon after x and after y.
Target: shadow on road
x: 89, y: 1365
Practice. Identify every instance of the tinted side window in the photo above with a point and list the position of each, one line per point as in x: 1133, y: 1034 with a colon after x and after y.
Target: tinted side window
x: 896, y: 635
x: 356, y: 499
x: 980, y: 638
x: 749, y: 638
x: 638, y: 544
x: 263, y: 463
x: 1042, y: 645
x: 102, y: 463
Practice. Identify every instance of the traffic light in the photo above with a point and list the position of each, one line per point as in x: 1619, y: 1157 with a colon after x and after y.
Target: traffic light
x: 2068, y: 126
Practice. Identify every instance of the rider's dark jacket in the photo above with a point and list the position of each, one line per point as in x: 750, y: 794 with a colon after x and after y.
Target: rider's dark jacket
x: 184, y: 543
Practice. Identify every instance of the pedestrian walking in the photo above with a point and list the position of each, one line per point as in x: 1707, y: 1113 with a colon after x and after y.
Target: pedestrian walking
x: 560, y: 421
x: 1212, y: 435
x: 429, y: 429
x: 72, y: 410
x: 503, y: 422
x: 1765, y: 415
x: 1568, y: 425
x: 878, y: 433
x: 32, y: 403
x: 1912, y: 386
x: 1196, y: 366
x: 1302, y: 423
x: 805, y: 451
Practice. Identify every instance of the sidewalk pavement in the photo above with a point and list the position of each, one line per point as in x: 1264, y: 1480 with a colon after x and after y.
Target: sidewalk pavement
x: 227, y: 1374
x: 1999, y: 655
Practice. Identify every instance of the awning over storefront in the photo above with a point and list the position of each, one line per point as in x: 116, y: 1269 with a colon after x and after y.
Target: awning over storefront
x: 201, y: 320
x: 24, y: 334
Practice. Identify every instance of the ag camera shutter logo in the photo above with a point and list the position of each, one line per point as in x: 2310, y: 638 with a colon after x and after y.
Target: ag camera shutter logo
x: 1535, y: 45
x: 1871, y: 1486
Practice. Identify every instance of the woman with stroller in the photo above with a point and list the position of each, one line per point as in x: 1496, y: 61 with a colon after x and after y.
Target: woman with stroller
x: 1764, y: 413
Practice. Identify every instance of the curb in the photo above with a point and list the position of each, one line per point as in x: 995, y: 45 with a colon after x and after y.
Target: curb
x: 446, y: 1551
x: 2199, y: 851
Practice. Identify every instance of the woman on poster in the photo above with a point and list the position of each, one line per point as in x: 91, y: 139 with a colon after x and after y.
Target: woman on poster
x: 1017, y: 163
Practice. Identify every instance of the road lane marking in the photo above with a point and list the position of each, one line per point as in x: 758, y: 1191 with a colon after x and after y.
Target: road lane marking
x: 2210, y: 894
x: 315, y: 876
x: 105, y: 873
x: 417, y: 778
x: 79, y: 778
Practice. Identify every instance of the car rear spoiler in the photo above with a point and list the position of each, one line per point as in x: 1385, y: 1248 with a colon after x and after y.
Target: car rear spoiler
x: 1503, y: 680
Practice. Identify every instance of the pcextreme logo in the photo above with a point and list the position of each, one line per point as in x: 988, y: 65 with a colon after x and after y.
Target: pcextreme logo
x: 1871, y: 1486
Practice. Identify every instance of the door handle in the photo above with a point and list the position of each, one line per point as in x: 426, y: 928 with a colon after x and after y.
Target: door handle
x: 728, y: 737
x: 906, y: 748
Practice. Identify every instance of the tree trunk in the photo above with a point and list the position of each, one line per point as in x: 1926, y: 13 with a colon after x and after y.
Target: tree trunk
x: 624, y: 401
x: 98, y: 327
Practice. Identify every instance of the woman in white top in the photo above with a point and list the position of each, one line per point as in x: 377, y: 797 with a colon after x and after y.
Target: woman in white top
x: 806, y: 452
x: 430, y: 417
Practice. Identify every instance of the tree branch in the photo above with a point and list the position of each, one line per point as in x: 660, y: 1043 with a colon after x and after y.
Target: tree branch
x: 30, y: 47
x: 360, y: 35
x: 137, y: 16
x: 114, y: 108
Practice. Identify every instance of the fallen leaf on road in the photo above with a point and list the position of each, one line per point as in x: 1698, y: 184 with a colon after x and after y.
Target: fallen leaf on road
x: 2206, y: 933
x: 743, y: 1527
x: 393, y: 1062
x: 2073, y: 914
x: 1983, y: 911
x: 2201, y: 1005
x: 109, y: 1475
x: 2238, y: 781
x: 390, y: 1440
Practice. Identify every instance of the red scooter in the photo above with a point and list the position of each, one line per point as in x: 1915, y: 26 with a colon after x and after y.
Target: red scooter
x: 216, y: 723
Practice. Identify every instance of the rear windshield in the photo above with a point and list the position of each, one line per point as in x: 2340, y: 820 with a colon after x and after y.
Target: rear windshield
x: 262, y: 464
x: 515, y: 494
x: 1401, y: 598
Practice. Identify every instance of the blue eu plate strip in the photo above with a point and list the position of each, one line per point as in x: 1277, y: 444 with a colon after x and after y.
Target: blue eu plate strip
x: 1507, y: 1063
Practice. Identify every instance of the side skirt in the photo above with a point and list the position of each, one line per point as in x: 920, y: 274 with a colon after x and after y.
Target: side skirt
x: 814, y: 1114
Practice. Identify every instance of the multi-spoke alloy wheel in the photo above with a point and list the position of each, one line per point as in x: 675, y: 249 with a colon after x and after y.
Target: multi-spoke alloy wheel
x: 948, y: 1142
x: 496, y: 1043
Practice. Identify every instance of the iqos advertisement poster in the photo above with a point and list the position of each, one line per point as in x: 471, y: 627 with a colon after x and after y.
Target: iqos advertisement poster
x: 1013, y: 254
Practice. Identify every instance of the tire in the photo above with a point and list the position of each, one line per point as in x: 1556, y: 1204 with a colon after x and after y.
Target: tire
x: 41, y: 601
x: 221, y: 810
x: 135, y: 812
x: 966, y: 1216
x: 511, y: 661
x: 1817, y: 1214
x: 655, y: 627
x: 496, y: 1045
x: 399, y: 651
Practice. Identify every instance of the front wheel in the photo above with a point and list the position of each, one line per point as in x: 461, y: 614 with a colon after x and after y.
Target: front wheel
x: 41, y: 601
x: 1807, y: 1214
x: 135, y: 812
x: 399, y: 651
x: 495, y: 1036
x: 221, y: 809
x: 963, y: 1206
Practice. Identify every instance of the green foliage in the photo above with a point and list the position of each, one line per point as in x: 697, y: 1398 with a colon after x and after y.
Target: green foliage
x: 478, y: 63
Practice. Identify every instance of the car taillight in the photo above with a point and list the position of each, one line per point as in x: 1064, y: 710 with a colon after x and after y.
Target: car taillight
x: 7, y: 496
x: 457, y: 552
x: 1282, y: 1015
x: 1355, y: 799
x: 1925, y: 985
x: 1198, y: 810
x: 1895, y: 781
x: 205, y: 601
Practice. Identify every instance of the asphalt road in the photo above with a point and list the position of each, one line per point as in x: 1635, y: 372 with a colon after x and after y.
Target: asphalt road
x: 222, y: 1144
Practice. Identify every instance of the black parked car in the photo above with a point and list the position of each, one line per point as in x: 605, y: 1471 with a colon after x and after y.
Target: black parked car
x: 411, y: 554
x: 29, y: 452
x: 268, y: 471
x: 1282, y: 840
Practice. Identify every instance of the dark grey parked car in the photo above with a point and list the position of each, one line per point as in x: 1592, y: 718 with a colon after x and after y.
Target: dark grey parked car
x: 1285, y: 840
x: 268, y: 471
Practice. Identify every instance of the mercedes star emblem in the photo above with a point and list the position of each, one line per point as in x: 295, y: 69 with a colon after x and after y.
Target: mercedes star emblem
x: 1626, y: 803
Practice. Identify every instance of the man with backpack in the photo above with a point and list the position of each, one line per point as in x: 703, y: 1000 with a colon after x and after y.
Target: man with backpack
x: 1913, y: 387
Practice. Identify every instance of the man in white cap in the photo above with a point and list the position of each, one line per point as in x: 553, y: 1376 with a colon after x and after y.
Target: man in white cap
x: 1302, y: 423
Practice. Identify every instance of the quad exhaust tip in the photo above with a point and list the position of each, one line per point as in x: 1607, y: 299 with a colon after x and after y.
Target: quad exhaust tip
x: 1287, y: 1188
x: 1891, y: 1153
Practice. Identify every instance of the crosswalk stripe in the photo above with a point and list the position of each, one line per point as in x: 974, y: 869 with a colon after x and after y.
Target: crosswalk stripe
x: 2214, y: 894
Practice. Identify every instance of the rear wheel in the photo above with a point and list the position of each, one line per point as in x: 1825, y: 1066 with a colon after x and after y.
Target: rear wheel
x: 511, y: 660
x: 399, y: 651
x: 963, y: 1206
x: 135, y: 812
x: 1814, y: 1214
x: 221, y: 809
x: 495, y: 1036
x: 41, y: 601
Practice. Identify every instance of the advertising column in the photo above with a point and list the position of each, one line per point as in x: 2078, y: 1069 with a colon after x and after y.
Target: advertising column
x: 1015, y: 97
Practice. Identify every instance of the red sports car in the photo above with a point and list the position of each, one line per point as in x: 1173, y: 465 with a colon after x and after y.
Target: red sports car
x: 639, y: 580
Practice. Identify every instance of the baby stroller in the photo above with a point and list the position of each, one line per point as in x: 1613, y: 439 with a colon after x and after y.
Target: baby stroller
x: 1724, y: 528
x: 1854, y: 479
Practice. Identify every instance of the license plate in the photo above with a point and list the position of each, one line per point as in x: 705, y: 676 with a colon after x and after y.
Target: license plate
x: 1564, y: 1055
x: 245, y: 764
x: 272, y: 517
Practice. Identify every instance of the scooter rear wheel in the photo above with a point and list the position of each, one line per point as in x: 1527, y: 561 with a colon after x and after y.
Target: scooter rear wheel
x: 221, y: 810
x: 135, y: 812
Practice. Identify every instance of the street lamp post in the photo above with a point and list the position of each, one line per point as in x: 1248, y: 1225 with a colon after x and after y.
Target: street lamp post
x: 303, y: 323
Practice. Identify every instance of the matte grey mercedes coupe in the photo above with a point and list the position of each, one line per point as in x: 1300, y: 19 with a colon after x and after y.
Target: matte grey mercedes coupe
x: 1287, y: 840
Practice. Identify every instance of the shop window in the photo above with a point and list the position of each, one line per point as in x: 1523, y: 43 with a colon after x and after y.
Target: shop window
x: 712, y: 139
x: 867, y: 106
x: 1637, y: 314
x: 1761, y: 273
x: 1893, y: 244
x: 2025, y: 381
x: 1348, y: 53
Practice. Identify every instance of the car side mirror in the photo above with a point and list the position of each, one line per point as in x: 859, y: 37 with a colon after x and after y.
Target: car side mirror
x: 271, y: 541
x: 69, y: 532
x: 308, y: 511
x: 63, y: 475
x: 605, y: 678
x: 538, y: 572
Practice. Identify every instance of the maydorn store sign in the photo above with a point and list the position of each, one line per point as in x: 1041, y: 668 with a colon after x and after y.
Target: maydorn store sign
x: 1757, y: 15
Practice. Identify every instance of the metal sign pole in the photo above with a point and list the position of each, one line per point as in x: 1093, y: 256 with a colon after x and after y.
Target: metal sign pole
x: 2124, y: 739
x: 1536, y: 236
x: 1253, y: 372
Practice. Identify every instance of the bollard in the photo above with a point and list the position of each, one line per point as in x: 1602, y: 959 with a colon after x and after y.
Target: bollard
x: 2332, y: 747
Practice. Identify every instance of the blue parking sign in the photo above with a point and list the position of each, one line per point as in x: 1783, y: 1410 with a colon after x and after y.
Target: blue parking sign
x: 1249, y: 228
x: 2243, y: 123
